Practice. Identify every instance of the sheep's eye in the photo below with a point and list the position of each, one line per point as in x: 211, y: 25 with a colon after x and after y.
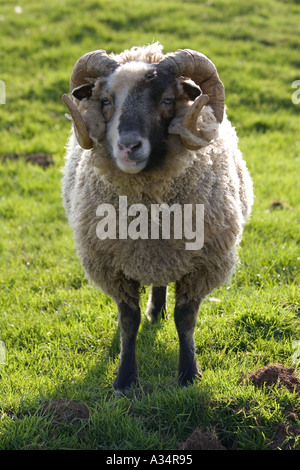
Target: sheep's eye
x: 167, y: 101
x: 105, y: 102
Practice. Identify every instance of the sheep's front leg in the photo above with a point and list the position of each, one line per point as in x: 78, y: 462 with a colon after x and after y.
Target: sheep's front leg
x: 129, y: 320
x: 157, y: 303
x: 185, y: 319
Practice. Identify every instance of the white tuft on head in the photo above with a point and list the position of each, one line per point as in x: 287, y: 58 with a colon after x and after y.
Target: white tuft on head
x: 151, y: 54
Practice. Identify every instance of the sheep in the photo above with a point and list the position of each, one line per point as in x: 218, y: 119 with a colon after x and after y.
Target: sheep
x: 152, y: 128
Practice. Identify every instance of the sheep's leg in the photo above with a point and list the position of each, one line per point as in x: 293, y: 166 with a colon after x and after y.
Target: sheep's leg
x: 157, y: 303
x: 129, y: 320
x: 185, y: 319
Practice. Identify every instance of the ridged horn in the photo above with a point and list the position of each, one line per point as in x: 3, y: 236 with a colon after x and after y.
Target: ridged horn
x: 190, y: 119
x: 86, y: 70
x: 80, y: 126
x: 202, y: 71
x: 196, y: 66
x: 91, y: 66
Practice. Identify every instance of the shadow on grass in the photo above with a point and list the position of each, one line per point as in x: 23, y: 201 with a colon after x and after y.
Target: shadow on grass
x: 152, y: 357
x: 85, y: 412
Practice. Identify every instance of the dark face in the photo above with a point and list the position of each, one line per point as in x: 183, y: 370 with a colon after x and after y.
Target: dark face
x: 138, y: 103
x: 146, y: 114
x: 143, y: 124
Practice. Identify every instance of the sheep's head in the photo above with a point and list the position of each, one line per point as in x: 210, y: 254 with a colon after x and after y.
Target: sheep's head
x: 134, y: 106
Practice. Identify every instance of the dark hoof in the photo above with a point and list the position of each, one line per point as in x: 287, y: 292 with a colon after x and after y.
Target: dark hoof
x: 187, y: 378
x: 122, y: 385
x: 122, y: 392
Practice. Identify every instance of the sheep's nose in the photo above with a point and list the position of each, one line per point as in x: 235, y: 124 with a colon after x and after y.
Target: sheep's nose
x: 129, y: 144
x: 128, y: 148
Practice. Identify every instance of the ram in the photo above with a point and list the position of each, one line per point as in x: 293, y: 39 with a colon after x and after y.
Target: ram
x: 150, y: 129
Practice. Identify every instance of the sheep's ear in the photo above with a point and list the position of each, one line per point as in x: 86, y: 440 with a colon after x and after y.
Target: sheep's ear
x: 83, y: 91
x: 191, y: 89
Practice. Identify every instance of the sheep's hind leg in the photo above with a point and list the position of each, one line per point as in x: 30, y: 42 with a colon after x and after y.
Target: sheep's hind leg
x: 129, y: 320
x: 185, y: 315
x: 157, y: 303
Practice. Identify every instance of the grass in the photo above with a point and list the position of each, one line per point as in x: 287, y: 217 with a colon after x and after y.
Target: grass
x: 60, y: 334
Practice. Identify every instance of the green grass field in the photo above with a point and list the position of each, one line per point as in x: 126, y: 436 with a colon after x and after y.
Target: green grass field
x: 60, y: 334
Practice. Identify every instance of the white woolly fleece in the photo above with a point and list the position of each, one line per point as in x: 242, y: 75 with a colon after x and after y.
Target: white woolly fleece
x: 215, y: 176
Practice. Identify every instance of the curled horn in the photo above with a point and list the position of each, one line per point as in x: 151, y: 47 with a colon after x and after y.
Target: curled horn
x: 202, y: 71
x: 80, y: 127
x: 86, y: 70
x: 91, y: 66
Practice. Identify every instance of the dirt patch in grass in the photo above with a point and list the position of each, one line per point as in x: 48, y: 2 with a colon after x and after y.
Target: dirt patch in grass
x: 286, y: 433
x: 277, y: 204
x: 64, y: 411
x: 275, y: 374
x: 202, y: 440
x: 41, y: 159
x: 285, y: 437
